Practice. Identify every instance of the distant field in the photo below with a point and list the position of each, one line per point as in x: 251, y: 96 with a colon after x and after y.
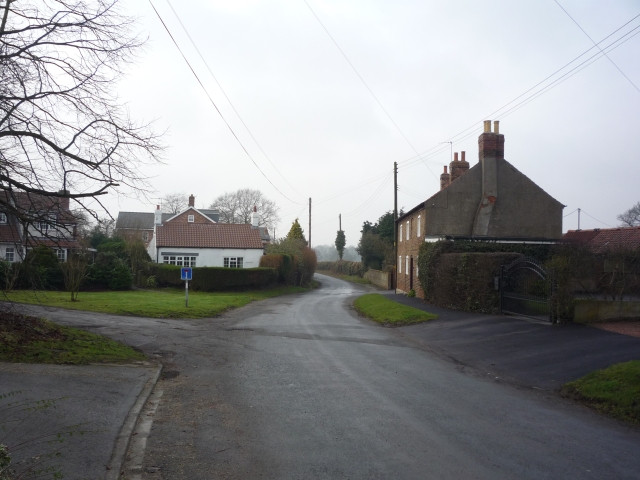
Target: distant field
x: 156, y: 303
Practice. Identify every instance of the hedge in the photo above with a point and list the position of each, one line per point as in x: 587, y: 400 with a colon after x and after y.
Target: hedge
x: 211, y: 279
x: 355, y: 269
x: 286, y: 265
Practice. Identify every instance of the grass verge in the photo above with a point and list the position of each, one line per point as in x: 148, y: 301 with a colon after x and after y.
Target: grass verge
x: 35, y: 340
x: 614, y: 391
x: 387, y: 312
x: 348, y: 278
x: 157, y: 303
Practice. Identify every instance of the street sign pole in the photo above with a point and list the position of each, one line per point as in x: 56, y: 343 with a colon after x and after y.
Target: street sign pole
x: 186, y: 293
x: 186, y: 274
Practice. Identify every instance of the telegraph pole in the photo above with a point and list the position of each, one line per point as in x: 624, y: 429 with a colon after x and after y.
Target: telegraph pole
x: 578, y: 219
x: 309, y: 222
x: 340, y: 221
x: 395, y: 219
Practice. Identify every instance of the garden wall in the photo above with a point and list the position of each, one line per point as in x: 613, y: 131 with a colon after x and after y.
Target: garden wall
x: 589, y: 311
x: 379, y: 278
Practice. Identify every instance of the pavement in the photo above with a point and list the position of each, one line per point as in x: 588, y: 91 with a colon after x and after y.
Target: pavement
x: 529, y: 352
x: 300, y: 386
x: 91, y: 406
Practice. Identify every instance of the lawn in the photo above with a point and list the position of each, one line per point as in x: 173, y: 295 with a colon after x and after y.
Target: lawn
x: 35, y: 340
x: 614, y: 390
x: 156, y: 303
x: 387, y: 312
x: 348, y: 278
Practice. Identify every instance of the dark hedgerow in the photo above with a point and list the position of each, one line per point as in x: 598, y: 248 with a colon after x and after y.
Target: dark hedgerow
x: 211, y: 279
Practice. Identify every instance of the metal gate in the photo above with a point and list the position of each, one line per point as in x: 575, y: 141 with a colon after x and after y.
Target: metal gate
x: 526, y: 289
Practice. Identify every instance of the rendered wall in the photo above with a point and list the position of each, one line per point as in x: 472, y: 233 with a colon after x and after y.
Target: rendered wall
x: 214, y: 257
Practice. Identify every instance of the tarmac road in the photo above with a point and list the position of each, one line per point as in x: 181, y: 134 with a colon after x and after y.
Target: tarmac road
x: 299, y: 387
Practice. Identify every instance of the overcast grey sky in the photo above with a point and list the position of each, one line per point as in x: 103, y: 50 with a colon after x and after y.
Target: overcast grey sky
x: 436, y: 67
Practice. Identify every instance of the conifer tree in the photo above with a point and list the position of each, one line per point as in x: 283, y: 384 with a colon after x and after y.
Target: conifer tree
x: 296, y: 232
x: 341, y: 241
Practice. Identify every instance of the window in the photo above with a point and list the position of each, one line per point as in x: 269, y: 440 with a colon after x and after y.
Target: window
x: 42, y: 227
x: 418, y: 232
x: 400, y: 236
x: 406, y: 270
x: 145, y: 236
x: 9, y: 254
x: 61, y: 253
x: 190, y: 218
x: 3, y: 217
x: 233, y: 262
x: 179, y: 261
x: 400, y: 262
x: 408, y: 230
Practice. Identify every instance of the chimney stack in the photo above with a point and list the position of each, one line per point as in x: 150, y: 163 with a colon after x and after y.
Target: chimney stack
x: 491, y: 144
x: 458, y: 167
x: 490, y: 153
x: 157, y: 216
x: 64, y: 201
x: 444, y: 179
x: 255, y: 218
x: 192, y: 200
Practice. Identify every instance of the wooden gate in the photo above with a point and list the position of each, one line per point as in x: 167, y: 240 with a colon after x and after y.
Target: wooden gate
x: 526, y: 289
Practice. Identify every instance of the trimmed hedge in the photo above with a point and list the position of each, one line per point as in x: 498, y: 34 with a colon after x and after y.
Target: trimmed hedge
x: 211, y: 279
x: 286, y: 265
x: 355, y: 269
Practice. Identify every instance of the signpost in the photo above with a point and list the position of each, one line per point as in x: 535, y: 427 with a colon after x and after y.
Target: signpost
x: 186, y: 274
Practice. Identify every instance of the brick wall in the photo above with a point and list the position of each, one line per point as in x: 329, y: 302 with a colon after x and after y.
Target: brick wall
x: 409, y: 249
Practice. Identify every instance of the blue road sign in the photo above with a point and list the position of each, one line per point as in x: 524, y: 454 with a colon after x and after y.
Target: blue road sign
x: 186, y: 273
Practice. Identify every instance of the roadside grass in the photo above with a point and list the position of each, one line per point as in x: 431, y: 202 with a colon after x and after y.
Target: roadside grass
x: 387, y: 312
x: 155, y: 303
x: 28, y: 339
x: 348, y: 278
x: 614, y: 391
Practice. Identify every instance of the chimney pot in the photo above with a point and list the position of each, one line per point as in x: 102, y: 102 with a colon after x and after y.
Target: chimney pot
x: 157, y: 207
x: 496, y: 126
x: 487, y: 126
x: 455, y: 157
x: 445, y: 169
x: 462, y: 155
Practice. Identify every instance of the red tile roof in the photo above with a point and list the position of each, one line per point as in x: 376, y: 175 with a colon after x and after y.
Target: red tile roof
x: 208, y: 235
x: 9, y: 234
x: 603, y: 239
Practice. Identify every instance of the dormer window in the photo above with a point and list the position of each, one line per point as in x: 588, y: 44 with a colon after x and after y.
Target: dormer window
x: 190, y: 218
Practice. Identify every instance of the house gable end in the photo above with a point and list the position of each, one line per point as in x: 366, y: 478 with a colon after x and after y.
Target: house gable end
x: 183, y: 217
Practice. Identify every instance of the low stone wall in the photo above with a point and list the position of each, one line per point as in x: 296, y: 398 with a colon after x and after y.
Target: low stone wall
x: 379, y: 279
x: 590, y: 311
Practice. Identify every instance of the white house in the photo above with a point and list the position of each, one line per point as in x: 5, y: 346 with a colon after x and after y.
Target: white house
x: 193, y: 239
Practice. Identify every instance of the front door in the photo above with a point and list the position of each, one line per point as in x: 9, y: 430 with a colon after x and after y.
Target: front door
x: 411, y: 273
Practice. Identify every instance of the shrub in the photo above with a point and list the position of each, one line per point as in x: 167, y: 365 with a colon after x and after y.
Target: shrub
x: 307, y: 266
x: 41, y: 270
x: 109, y: 271
x: 152, y: 282
x: 120, y: 278
x: 286, y: 265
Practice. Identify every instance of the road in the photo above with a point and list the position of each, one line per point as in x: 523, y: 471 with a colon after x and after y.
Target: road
x: 300, y: 387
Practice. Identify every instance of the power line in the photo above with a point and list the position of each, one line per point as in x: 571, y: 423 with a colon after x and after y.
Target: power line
x: 564, y: 216
x: 227, y: 97
x: 597, y: 219
x: 365, y: 84
x: 214, y: 104
x: 595, y: 44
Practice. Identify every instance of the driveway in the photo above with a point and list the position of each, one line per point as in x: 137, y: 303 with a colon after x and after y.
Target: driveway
x: 300, y: 387
x: 528, y: 352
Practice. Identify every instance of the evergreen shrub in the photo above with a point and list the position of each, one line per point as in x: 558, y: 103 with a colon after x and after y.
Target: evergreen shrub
x: 212, y: 279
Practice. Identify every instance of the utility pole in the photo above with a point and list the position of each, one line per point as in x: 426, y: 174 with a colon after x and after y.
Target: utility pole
x: 340, y: 221
x: 395, y: 219
x: 309, y: 222
x: 578, y: 219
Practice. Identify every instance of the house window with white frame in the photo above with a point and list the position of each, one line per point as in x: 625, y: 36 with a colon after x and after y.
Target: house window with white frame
x: 190, y: 218
x: 408, y: 230
x: 418, y: 231
x: 180, y: 261
x: 42, y: 227
x: 9, y: 254
x: 61, y: 254
x: 233, y: 262
x: 400, y: 236
x: 3, y: 217
x: 400, y: 264
x: 406, y: 270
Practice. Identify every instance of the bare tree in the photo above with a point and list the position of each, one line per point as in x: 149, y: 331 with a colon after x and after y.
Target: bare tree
x: 631, y: 218
x: 63, y: 132
x: 174, y: 203
x: 236, y: 207
x: 74, y: 272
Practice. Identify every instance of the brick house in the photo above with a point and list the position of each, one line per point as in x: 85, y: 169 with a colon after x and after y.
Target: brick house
x: 490, y: 201
x: 193, y: 239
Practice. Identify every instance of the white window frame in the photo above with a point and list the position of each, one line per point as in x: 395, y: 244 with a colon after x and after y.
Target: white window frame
x: 9, y: 254
x: 418, y: 232
x: 406, y: 272
x: 399, y: 263
x: 61, y: 253
x: 408, y: 230
x: 145, y: 236
x: 233, y: 262
x: 400, y: 232
x: 191, y: 218
x: 3, y: 217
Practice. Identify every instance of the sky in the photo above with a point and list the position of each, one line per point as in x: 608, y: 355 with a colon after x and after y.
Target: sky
x: 431, y: 69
